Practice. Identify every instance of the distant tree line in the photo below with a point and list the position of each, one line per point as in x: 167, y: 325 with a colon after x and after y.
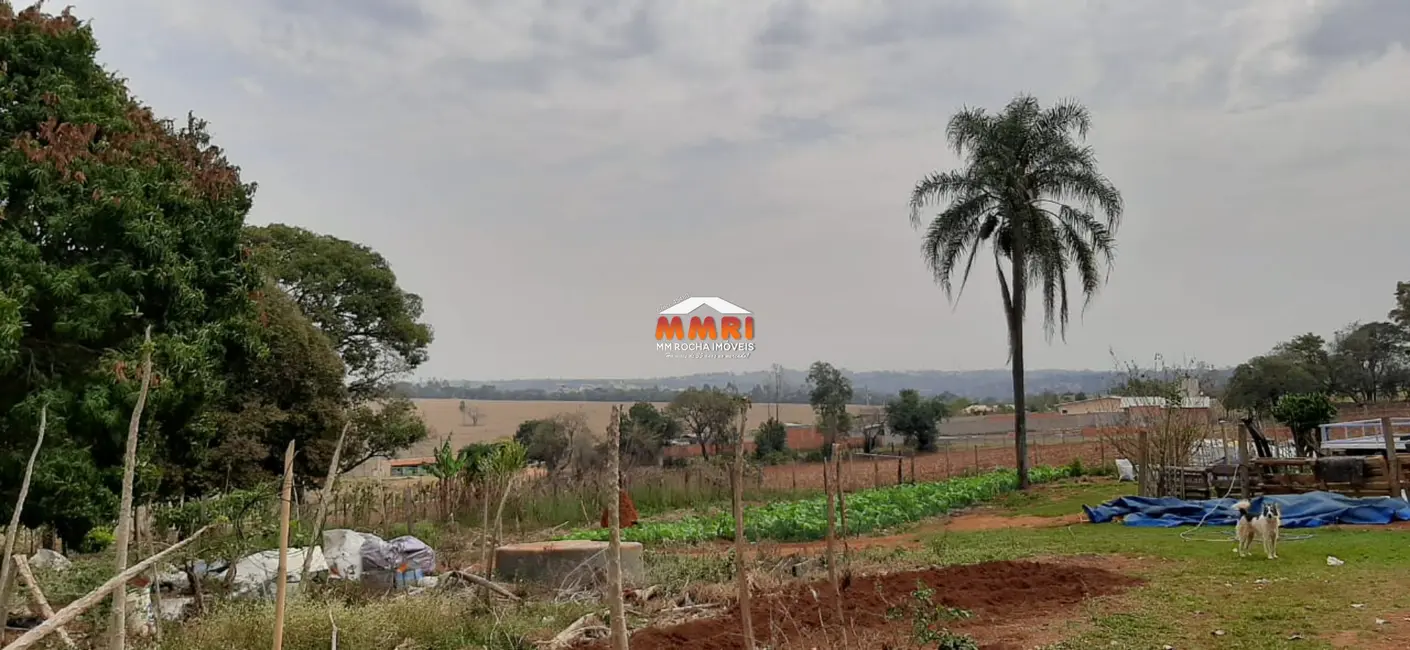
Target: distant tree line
x: 712, y: 418
x: 758, y: 394
x: 1301, y: 379
x: 1361, y: 363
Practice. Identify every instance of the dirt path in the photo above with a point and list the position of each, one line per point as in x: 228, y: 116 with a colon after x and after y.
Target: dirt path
x: 1012, y: 606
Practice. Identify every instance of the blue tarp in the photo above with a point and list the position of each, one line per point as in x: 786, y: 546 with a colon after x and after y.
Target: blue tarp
x: 1309, y: 510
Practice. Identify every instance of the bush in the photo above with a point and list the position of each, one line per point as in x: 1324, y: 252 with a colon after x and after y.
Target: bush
x: 770, y: 439
x: 97, y: 540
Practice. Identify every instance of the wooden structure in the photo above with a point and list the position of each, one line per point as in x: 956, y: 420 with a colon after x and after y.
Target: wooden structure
x: 1269, y: 476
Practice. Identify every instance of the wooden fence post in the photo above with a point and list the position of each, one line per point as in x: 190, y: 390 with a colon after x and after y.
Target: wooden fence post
x: 1392, y: 456
x: 281, y: 587
x: 1245, y: 464
x: 1143, y: 478
x: 614, y: 543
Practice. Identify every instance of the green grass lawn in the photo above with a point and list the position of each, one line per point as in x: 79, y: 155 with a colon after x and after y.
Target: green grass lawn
x: 1200, y: 594
x: 1065, y: 498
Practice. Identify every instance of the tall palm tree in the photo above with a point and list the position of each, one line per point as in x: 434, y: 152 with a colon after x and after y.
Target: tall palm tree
x: 1030, y: 191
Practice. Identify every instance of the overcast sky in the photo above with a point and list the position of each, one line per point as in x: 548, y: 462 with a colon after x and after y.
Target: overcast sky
x: 549, y: 174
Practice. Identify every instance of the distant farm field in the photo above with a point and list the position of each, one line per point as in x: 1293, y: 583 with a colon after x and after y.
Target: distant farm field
x: 499, y: 419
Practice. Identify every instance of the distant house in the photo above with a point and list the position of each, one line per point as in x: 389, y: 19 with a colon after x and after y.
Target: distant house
x: 410, y: 467
x: 1103, y: 404
x: 979, y: 409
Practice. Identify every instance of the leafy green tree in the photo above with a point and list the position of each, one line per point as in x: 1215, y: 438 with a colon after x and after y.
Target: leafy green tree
x: 1369, y: 360
x: 1401, y: 314
x: 707, y: 416
x: 1309, y: 352
x: 645, y: 433
x: 350, y: 292
x: 1031, y: 191
x: 1303, y: 413
x: 829, y: 392
x: 471, y: 456
x: 1257, y: 384
x: 556, y: 442
x: 110, y: 220
x: 288, y: 388
x: 916, y: 419
x: 381, y: 429
x: 770, y: 439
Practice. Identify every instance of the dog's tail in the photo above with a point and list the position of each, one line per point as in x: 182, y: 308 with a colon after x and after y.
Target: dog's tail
x: 1243, y: 506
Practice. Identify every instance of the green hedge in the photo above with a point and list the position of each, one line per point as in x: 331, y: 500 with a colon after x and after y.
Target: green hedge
x: 806, y: 520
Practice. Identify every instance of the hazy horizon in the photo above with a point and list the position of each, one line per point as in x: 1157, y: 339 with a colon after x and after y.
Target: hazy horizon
x: 761, y: 370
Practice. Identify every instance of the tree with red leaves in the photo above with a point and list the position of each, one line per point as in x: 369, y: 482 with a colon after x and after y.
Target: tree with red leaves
x: 110, y: 220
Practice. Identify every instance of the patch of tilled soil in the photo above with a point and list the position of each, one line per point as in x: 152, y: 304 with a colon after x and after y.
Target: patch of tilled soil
x: 995, y: 592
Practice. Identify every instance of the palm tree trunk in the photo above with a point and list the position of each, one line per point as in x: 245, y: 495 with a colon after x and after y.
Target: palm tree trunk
x: 1020, y: 409
x: 1020, y: 415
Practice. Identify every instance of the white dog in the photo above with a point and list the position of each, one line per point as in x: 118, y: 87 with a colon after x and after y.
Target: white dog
x: 1264, y: 526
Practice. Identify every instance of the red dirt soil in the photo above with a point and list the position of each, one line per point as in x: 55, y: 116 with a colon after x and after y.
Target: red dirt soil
x: 860, y: 474
x: 996, y: 593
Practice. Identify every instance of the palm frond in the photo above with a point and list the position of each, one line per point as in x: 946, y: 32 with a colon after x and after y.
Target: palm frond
x: 940, y: 187
x: 1025, y: 170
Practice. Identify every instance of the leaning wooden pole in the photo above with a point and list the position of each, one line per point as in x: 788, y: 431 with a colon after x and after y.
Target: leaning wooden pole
x: 614, y: 544
x: 13, y: 532
x: 27, y: 576
x: 326, y: 495
x: 281, y: 589
x: 129, y: 467
x: 78, y: 607
x: 741, y: 565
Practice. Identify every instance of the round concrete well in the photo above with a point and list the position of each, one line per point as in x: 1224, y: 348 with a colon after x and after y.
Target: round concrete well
x: 565, y: 563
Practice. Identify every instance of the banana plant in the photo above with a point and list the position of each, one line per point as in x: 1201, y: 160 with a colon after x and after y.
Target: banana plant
x: 499, y: 469
x: 448, y: 467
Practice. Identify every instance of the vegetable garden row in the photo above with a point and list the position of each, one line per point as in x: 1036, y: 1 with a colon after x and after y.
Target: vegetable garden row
x: 806, y: 520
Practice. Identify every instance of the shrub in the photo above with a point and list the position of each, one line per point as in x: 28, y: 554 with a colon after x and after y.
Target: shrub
x: 771, y: 438
x: 98, y: 540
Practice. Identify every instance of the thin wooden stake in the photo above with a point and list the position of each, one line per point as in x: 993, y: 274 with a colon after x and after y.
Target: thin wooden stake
x: 321, y: 517
x: 1392, y: 457
x: 281, y: 589
x: 129, y: 468
x: 842, y: 503
x: 11, y: 533
x: 614, y: 544
x: 144, y: 515
x: 830, y: 550
x: 27, y: 577
x: 78, y: 607
x: 741, y: 566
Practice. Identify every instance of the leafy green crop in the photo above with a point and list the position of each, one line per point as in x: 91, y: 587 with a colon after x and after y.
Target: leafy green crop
x: 806, y: 520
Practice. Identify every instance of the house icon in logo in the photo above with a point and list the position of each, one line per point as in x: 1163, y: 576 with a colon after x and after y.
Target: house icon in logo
x: 731, y: 337
x: 720, y: 305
